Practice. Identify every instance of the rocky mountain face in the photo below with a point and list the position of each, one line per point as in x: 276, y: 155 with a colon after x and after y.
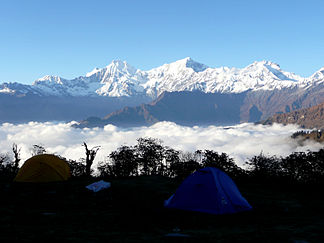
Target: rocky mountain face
x: 184, y: 91
x: 312, y: 118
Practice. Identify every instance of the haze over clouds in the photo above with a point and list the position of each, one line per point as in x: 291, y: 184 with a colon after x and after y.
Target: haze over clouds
x: 240, y: 142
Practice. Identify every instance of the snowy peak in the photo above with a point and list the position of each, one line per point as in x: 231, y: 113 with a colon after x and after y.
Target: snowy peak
x: 184, y: 64
x: 262, y: 67
x: 49, y: 79
x: 189, y: 63
x: 116, y: 67
x: 268, y: 69
x: 94, y: 71
x: 264, y: 63
x: 121, y: 66
x: 116, y: 80
x: 318, y: 76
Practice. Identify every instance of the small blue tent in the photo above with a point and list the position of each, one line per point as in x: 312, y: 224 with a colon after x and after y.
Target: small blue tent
x: 208, y: 190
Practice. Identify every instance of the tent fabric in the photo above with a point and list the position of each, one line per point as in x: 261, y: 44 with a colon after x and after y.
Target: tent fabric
x: 208, y: 190
x: 98, y: 186
x: 43, y: 168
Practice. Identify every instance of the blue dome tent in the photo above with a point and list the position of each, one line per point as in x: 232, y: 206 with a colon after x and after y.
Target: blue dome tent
x: 208, y: 190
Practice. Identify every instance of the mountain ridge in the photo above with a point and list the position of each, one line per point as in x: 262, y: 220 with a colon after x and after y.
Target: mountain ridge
x: 120, y: 79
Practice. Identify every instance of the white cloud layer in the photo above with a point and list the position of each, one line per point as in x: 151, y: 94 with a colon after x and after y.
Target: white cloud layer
x: 239, y: 142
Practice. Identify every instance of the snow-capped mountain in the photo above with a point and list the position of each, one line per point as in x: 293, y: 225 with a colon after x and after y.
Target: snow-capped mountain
x: 179, y: 76
x: 185, y: 91
x: 317, y: 77
x: 120, y: 79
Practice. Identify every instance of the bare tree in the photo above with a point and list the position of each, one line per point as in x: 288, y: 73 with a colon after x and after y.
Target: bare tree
x: 90, y: 156
x: 17, y: 158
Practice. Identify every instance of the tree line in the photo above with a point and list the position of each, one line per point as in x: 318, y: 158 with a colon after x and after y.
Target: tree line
x: 150, y: 157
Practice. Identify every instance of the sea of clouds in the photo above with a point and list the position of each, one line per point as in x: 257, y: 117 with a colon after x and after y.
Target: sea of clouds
x: 240, y: 142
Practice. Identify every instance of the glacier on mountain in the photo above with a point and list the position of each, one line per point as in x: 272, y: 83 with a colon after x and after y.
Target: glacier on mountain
x: 120, y: 79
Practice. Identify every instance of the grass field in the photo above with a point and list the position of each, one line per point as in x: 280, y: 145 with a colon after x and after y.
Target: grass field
x: 132, y: 211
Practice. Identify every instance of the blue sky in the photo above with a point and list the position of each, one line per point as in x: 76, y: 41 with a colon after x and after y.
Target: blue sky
x: 69, y: 38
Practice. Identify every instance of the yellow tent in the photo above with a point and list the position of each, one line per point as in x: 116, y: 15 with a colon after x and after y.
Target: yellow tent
x: 43, y: 168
